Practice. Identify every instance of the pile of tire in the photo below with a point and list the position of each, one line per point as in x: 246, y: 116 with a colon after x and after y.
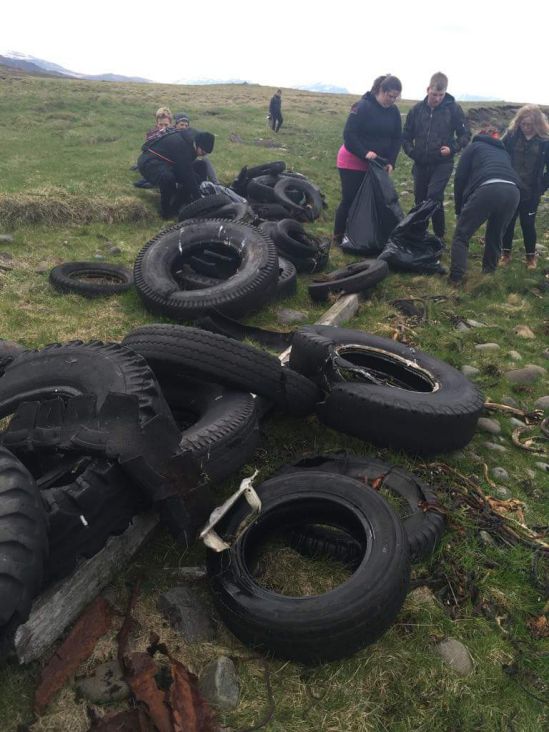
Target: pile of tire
x: 100, y: 432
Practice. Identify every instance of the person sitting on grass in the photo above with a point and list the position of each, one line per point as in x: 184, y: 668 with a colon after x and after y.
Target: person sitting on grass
x: 163, y: 122
x: 527, y: 142
x: 486, y: 188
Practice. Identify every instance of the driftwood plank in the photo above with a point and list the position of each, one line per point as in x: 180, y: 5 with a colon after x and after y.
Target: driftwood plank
x: 56, y: 608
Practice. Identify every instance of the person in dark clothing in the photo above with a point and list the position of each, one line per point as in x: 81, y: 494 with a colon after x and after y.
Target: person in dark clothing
x: 527, y: 142
x: 486, y: 188
x: 170, y: 162
x: 275, y: 111
x: 373, y: 129
x: 434, y: 131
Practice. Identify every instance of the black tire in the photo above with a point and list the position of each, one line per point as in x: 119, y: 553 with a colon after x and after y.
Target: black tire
x: 287, y: 278
x: 206, y: 355
x: 23, y: 545
x: 418, y: 507
x: 91, y: 279
x: 81, y: 368
x: 84, y: 512
x: 270, y: 211
x: 274, y: 168
x: 234, y: 212
x: 355, y: 277
x: 291, y: 237
x: 158, y: 262
x: 420, y: 404
x: 321, y: 627
x: 261, y: 189
x: 220, y: 426
x: 202, y: 206
x: 314, y: 204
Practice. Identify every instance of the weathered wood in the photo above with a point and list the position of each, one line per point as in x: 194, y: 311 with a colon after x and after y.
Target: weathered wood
x: 54, y: 610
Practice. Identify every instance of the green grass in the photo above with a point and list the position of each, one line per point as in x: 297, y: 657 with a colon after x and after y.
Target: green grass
x: 66, y: 193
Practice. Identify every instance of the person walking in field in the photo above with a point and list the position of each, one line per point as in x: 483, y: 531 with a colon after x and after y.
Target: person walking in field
x: 486, y: 188
x: 275, y: 111
x: 373, y: 129
x: 434, y: 131
x: 527, y: 142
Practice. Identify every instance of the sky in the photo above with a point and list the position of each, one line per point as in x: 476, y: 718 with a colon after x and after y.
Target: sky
x: 292, y: 43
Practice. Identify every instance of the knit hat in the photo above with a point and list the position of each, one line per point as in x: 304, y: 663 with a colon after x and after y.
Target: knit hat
x: 205, y: 140
x: 181, y: 117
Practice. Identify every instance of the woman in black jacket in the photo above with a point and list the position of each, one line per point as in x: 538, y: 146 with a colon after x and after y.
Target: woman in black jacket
x: 527, y: 142
x: 373, y: 129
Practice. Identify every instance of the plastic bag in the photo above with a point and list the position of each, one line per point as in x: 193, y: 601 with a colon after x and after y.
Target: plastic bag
x: 374, y: 213
x: 207, y: 188
x: 411, y: 248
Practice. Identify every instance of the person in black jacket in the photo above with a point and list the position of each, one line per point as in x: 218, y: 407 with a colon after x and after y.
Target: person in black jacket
x: 486, y: 188
x: 434, y: 131
x: 527, y: 141
x: 373, y: 129
x: 170, y: 162
x: 275, y: 111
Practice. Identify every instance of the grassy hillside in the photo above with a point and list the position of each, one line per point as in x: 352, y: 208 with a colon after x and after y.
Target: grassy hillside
x: 66, y: 194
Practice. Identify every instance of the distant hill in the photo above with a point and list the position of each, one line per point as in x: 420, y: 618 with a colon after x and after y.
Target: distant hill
x: 323, y: 88
x: 41, y: 67
x: 205, y: 82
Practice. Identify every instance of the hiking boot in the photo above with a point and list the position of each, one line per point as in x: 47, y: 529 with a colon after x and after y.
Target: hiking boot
x: 505, y: 259
x: 531, y: 262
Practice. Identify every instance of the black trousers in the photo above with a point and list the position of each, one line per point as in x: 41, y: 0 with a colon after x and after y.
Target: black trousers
x: 276, y: 121
x: 351, y: 180
x: 495, y: 203
x: 526, y: 213
x: 430, y: 181
x: 160, y: 173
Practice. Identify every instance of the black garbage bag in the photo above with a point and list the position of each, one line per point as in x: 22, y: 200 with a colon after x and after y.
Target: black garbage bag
x: 374, y: 213
x: 411, y: 248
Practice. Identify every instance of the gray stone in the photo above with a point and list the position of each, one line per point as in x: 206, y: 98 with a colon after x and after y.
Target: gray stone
x: 470, y: 370
x: 543, y: 466
x: 516, y: 422
x: 187, y: 613
x: 288, y: 316
x: 99, y: 256
x: 514, y: 356
x: 220, y: 685
x: 114, y: 251
x: 456, y: 655
x: 487, y: 347
x: 500, y: 474
x: 503, y: 493
x: 6, y: 239
x: 523, y: 331
x: 510, y: 402
x: 474, y: 457
x: 542, y: 403
x: 527, y: 375
x: 486, y: 538
x: 462, y: 327
x: 106, y: 684
x: 492, y: 426
x: 495, y: 447
x: 422, y: 596
x: 530, y: 473
x: 475, y: 323
x: 546, y: 353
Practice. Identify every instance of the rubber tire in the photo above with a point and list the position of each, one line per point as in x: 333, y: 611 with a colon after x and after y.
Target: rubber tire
x: 65, y: 278
x: 23, y: 545
x: 287, y: 279
x: 422, y: 423
x: 322, y: 627
x: 225, y: 433
x: 423, y: 523
x: 270, y: 211
x: 206, y: 355
x: 9, y: 350
x: 356, y: 277
x: 81, y: 368
x: 292, y: 237
x: 107, y: 500
x: 314, y: 199
x: 206, y: 205
x: 274, y: 168
x: 252, y: 285
x: 261, y: 189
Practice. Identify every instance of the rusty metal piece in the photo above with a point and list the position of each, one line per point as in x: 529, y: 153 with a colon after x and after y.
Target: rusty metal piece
x: 528, y: 444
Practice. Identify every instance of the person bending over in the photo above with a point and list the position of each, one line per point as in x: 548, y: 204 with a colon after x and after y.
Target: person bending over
x: 434, y: 131
x: 486, y: 188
